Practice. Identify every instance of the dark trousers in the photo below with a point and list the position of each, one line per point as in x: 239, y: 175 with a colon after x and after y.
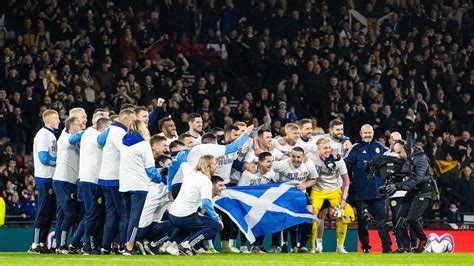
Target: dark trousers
x: 156, y: 231
x: 113, y: 201
x: 413, y: 210
x: 91, y: 193
x: 258, y: 240
x: 175, y: 190
x: 132, y: 207
x: 79, y: 230
x: 395, y: 207
x: 202, y: 226
x: 65, y: 210
x: 293, y: 235
x: 377, y: 208
x: 230, y: 230
x: 276, y: 239
x: 45, y: 213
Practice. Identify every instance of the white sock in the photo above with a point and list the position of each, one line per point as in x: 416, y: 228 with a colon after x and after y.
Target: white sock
x: 63, y: 238
x: 231, y: 243
x: 34, y: 245
x: 319, y: 242
x: 210, y: 244
x: 225, y: 244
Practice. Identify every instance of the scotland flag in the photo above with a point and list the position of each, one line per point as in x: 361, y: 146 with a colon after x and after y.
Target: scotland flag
x: 265, y: 209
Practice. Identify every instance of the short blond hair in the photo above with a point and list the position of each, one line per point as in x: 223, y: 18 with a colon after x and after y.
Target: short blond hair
x: 240, y: 124
x: 48, y: 113
x: 75, y: 111
x: 292, y: 126
x: 203, y: 164
x: 322, y: 141
x: 138, y: 126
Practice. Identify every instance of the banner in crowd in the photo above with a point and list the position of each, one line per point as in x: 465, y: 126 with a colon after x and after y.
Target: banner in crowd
x: 366, y: 22
x: 265, y: 209
x: 441, y: 241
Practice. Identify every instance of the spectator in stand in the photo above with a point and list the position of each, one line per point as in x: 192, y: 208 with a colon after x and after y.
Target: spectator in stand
x: 14, y: 207
x: 465, y: 190
x: 412, y: 73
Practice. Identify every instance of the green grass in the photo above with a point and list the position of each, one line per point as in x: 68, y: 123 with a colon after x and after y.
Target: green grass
x: 241, y: 259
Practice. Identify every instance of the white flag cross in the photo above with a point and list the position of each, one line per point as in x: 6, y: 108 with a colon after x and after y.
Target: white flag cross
x: 259, y: 207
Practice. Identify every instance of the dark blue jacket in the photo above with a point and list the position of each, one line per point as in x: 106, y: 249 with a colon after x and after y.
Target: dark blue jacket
x: 364, y: 187
x: 420, y: 178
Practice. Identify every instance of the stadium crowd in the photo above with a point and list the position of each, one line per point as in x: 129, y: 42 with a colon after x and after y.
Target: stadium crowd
x: 264, y: 63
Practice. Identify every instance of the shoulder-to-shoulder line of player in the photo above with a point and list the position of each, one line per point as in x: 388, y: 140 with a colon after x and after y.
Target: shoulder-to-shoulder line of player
x: 140, y: 177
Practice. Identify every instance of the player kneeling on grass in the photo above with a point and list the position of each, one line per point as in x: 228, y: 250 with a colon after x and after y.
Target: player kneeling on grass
x: 327, y: 187
x: 154, y: 232
x: 197, y: 191
x: 137, y: 171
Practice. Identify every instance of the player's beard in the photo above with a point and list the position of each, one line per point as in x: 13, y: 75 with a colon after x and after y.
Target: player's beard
x: 337, y: 137
x: 367, y: 140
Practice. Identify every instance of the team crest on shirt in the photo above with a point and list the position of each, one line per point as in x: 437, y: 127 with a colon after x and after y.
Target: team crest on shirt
x: 242, y: 152
x: 260, y: 180
x: 323, y: 170
x: 226, y: 159
x: 99, y: 200
x: 377, y: 150
x: 296, y: 176
x: 393, y: 203
x: 54, y: 146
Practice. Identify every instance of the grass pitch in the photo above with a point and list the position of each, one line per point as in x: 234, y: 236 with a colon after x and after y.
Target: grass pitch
x: 242, y: 259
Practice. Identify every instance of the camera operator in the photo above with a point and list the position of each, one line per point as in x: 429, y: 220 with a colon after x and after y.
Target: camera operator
x: 418, y: 197
x: 366, y: 188
x: 398, y: 199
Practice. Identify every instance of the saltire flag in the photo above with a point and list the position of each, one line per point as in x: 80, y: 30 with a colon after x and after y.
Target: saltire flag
x: 264, y: 209
x: 366, y: 22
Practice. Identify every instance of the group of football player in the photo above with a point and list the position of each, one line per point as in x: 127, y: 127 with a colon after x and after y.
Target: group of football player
x: 124, y: 191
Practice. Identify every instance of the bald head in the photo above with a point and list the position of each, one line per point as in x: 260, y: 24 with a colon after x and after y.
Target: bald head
x: 394, y: 136
x: 367, y: 133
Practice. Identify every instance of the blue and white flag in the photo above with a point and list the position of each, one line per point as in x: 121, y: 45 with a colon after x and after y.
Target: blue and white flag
x: 265, y: 209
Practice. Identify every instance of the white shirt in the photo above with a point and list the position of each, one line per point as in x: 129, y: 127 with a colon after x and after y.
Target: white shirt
x: 250, y: 179
x: 45, y: 140
x: 224, y: 166
x: 109, y: 168
x: 196, y: 140
x: 328, y: 178
x: 241, y: 154
x: 287, y: 172
x: 168, y: 140
x: 134, y: 159
x: 196, y: 187
x: 335, y: 145
x: 286, y: 148
x: 91, y: 156
x: 195, y: 154
x: 252, y: 158
x: 67, y: 164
